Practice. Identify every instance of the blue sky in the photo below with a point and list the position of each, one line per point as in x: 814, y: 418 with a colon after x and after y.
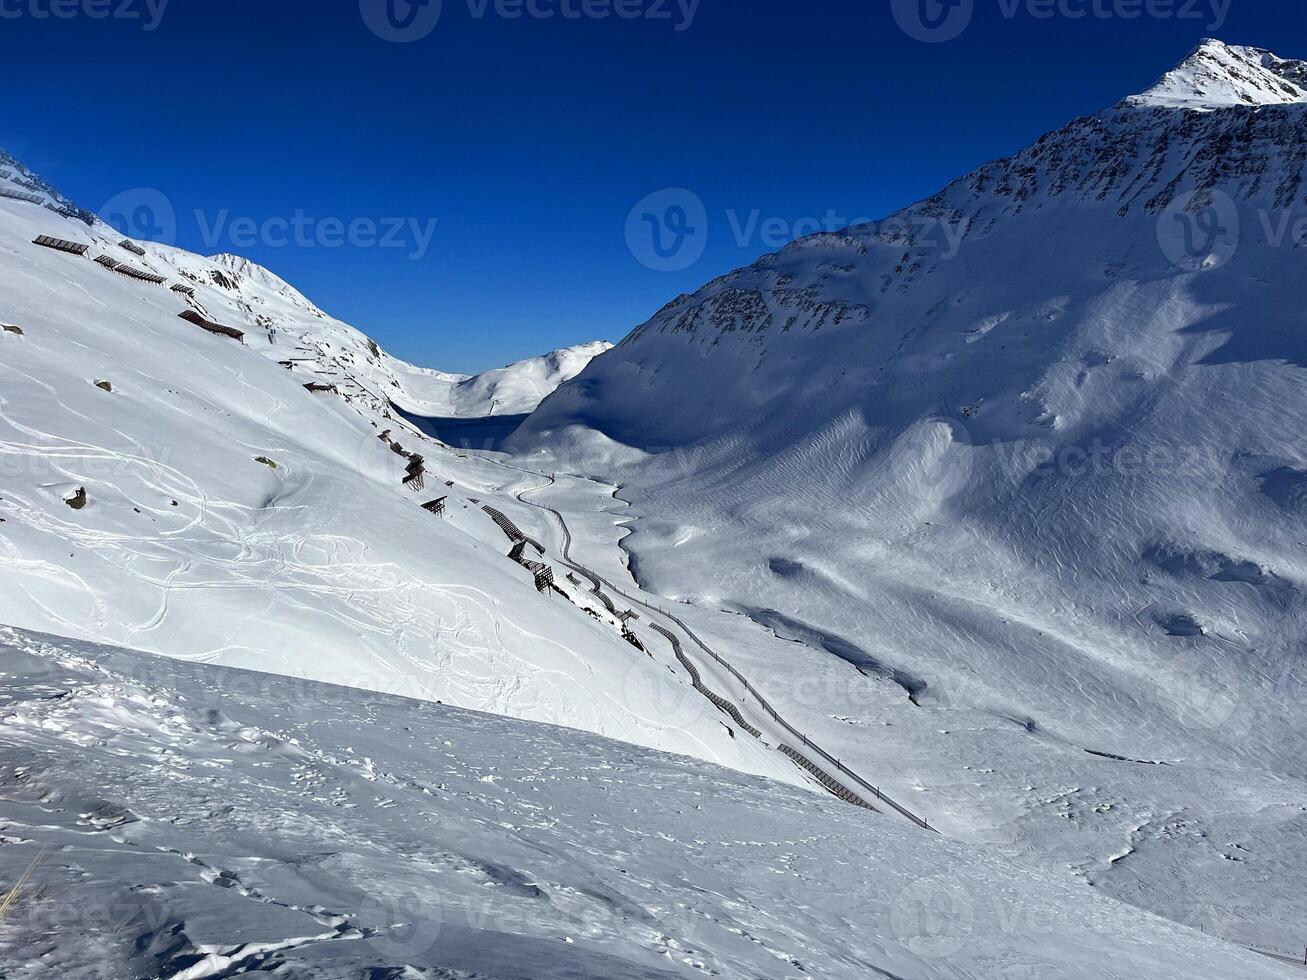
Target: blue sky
x: 528, y: 140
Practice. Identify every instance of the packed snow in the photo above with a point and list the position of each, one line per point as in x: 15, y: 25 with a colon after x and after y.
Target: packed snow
x: 184, y: 821
x: 1013, y: 485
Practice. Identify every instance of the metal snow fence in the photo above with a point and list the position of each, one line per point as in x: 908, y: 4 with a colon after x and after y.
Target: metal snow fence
x: 190, y: 316
x: 9, y: 192
x: 60, y: 244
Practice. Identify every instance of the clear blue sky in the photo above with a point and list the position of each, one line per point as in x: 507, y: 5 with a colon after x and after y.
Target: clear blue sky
x: 530, y: 140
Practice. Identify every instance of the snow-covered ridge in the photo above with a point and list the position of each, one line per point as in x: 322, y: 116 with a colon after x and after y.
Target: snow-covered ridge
x: 1137, y: 157
x: 186, y: 821
x: 200, y: 462
x: 1218, y: 74
x: 512, y: 390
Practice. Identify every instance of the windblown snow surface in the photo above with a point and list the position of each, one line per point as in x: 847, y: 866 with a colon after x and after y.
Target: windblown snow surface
x: 186, y: 821
x: 1018, y: 476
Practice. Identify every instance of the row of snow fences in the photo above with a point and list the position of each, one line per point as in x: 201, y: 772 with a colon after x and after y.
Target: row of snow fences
x: 836, y: 789
x: 726, y: 706
x: 131, y: 247
x: 766, y: 706
x: 510, y: 529
x: 9, y: 192
x: 190, y: 316
x: 60, y: 244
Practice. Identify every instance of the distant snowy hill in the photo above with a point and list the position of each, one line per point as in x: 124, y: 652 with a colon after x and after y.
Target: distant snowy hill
x: 185, y: 821
x: 1024, y: 466
x: 513, y: 390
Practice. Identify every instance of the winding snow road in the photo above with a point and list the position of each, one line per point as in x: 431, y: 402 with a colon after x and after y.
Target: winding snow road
x: 780, y: 727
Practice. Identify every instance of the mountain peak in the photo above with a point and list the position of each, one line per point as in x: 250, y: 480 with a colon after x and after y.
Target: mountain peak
x: 1217, y: 75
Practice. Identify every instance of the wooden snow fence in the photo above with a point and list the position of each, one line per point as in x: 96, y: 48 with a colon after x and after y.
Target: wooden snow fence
x: 108, y: 263
x: 320, y: 389
x: 184, y: 290
x: 123, y: 269
x: 416, y: 475
x: 60, y: 244
x: 436, y: 507
x: 190, y: 316
x: 132, y: 247
x: 510, y: 529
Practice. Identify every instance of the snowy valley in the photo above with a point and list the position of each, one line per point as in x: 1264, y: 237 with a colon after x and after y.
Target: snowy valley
x: 921, y: 601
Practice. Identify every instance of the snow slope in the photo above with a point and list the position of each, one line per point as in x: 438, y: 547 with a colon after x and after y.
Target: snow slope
x: 184, y: 821
x: 181, y: 492
x: 513, y: 390
x: 1016, y: 479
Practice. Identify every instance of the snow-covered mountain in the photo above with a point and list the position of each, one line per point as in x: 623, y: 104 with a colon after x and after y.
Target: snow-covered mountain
x: 513, y: 390
x: 176, y: 820
x: 1020, y: 472
x: 195, y: 460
